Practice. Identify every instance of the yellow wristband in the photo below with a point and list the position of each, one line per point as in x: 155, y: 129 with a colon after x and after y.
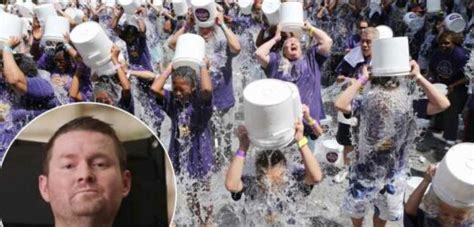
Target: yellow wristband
x: 311, y: 122
x: 303, y: 142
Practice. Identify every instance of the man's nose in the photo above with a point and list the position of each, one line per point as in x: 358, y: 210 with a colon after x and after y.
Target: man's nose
x: 85, y: 173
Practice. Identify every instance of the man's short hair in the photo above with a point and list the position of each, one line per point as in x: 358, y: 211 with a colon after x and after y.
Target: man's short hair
x: 91, y: 124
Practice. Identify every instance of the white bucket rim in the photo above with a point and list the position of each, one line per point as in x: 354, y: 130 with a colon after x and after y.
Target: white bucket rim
x: 245, y: 94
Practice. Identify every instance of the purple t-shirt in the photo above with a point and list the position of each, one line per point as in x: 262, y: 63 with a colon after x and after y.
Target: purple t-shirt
x: 139, y: 54
x: 305, y: 73
x: 352, y: 41
x: 449, y: 67
x: 189, y: 130
x: 223, y: 88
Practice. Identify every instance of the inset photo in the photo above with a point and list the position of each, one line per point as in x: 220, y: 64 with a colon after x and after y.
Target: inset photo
x: 86, y: 165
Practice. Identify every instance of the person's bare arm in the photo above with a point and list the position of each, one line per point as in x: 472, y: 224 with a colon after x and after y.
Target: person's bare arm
x: 413, y: 202
x: 233, y: 179
x: 206, y: 82
x: 263, y: 52
x: 11, y: 71
x: 323, y: 39
x: 343, y: 102
x: 118, y: 12
x: 159, y: 83
x: 122, y: 76
x: 232, y: 39
x: 312, y: 169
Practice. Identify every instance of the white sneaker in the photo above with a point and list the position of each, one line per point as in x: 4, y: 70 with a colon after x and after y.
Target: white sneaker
x: 341, y: 176
x: 439, y: 136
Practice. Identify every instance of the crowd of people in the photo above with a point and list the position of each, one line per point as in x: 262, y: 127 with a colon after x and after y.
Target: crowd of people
x: 333, y: 47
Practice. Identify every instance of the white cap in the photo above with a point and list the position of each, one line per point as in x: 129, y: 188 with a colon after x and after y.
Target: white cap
x: 453, y: 182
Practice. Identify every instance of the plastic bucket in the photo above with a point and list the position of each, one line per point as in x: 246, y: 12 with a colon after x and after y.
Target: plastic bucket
x: 453, y: 182
x: 271, y: 9
x: 433, y: 6
x: 333, y: 153
x: 10, y: 25
x: 411, y: 20
x: 442, y: 88
x: 190, y: 51
x: 390, y: 57
x: 44, y: 11
x: 245, y: 6
x: 56, y: 27
x: 455, y: 22
x: 384, y: 31
x: 129, y: 6
x: 92, y: 43
x: 270, y: 107
x: 25, y: 9
x: 158, y: 3
x: 291, y: 17
x: 180, y: 7
x: 204, y: 12
x: 75, y: 14
x: 110, y: 3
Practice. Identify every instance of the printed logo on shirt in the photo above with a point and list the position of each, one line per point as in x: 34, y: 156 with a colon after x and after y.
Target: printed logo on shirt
x: 445, y: 68
x: 202, y: 14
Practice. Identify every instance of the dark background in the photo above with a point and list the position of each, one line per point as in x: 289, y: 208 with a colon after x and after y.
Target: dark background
x: 21, y: 203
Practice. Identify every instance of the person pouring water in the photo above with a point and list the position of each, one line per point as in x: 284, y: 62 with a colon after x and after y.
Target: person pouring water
x: 302, y: 69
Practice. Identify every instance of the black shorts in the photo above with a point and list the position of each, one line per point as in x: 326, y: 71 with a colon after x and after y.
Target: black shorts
x: 343, y: 135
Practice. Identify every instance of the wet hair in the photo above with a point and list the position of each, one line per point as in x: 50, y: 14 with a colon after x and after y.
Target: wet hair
x: 89, y: 124
x: 372, y: 31
x: 130, y: 31
x: 386, y: 82
x: 26, y: 64
x: 267, y: 159
x: 185, y: 73
x: 455, y: 38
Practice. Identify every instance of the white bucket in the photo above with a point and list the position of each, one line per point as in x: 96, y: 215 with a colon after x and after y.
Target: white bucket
x: 92, y: 43
x: 56, y: 27
x: 442, y: 88
x: 41, y: 2
x: 110, y: 3
x: 291, y: 17
x: 10, y: 25
x: 204, y: 12
x: 271, y: 107
x: 433, y: 6
x: 44, y: 11
x: 158, y: 3
x: 333, y: 153
x: 453, y: 182
x: 390, y: 57
x: 271, y: 9
x: 190, y: 51
x: 76, y: 14
x: 129, y: 6
x: 245, y: 6
x: 107, y: 69
x: 411, y: 19
x: 455, y: 22
x: 25, y: 9
x: 180, y: 7
x: 384, y: 31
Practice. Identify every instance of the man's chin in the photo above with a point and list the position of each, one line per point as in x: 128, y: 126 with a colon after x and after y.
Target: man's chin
x: 85, y: 205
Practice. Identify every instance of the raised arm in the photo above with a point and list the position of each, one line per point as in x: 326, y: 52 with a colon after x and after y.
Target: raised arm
x: 232, y: 39
x: 233, y: 179
x: 186, y: 26
x: 437, y: 102
x: 141, y: 22
x: 323, y: 39
x: 158, y: 85
x: 312, y: 169
x: 343, y: 102
x: 263, y: 52
x: 12, y: 73
x: 413, y: 202
x: 118, y: 12
x: 122, y: 76
x: 206, y: 83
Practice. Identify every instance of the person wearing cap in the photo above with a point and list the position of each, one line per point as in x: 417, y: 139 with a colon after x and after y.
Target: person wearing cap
x: 275, y: 182
x: 349, y: 69
x: 447, y: 67
x: 224, y: 46
x: 387, y: 131
x: 302, y: 69
x: 189, y: 106
x: 445, y: 203
x: 23, y: 93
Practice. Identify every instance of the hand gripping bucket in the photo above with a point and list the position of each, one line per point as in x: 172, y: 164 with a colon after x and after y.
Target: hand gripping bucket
x: 291, y: 17
x: 190, y: 51
x: 92, y: 44
x: 204, y: 12
x: 44, y: 11
x: 56, y: 27
x: 453, y: 182
x: 455, y: 22
x: 390, y: 57
x: 271, y: 107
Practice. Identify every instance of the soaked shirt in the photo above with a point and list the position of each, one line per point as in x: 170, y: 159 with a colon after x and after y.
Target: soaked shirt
x: 190, y: 147
x: 139, y: 54
x: 305, y: 73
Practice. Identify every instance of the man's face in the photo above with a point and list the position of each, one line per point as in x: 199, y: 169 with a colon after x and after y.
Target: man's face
x: 362, y: 25
x: 292, y: 49
x: 206, y: 33
x: 366, y: 44
x: 182, y: 89
x: 84, y: 177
